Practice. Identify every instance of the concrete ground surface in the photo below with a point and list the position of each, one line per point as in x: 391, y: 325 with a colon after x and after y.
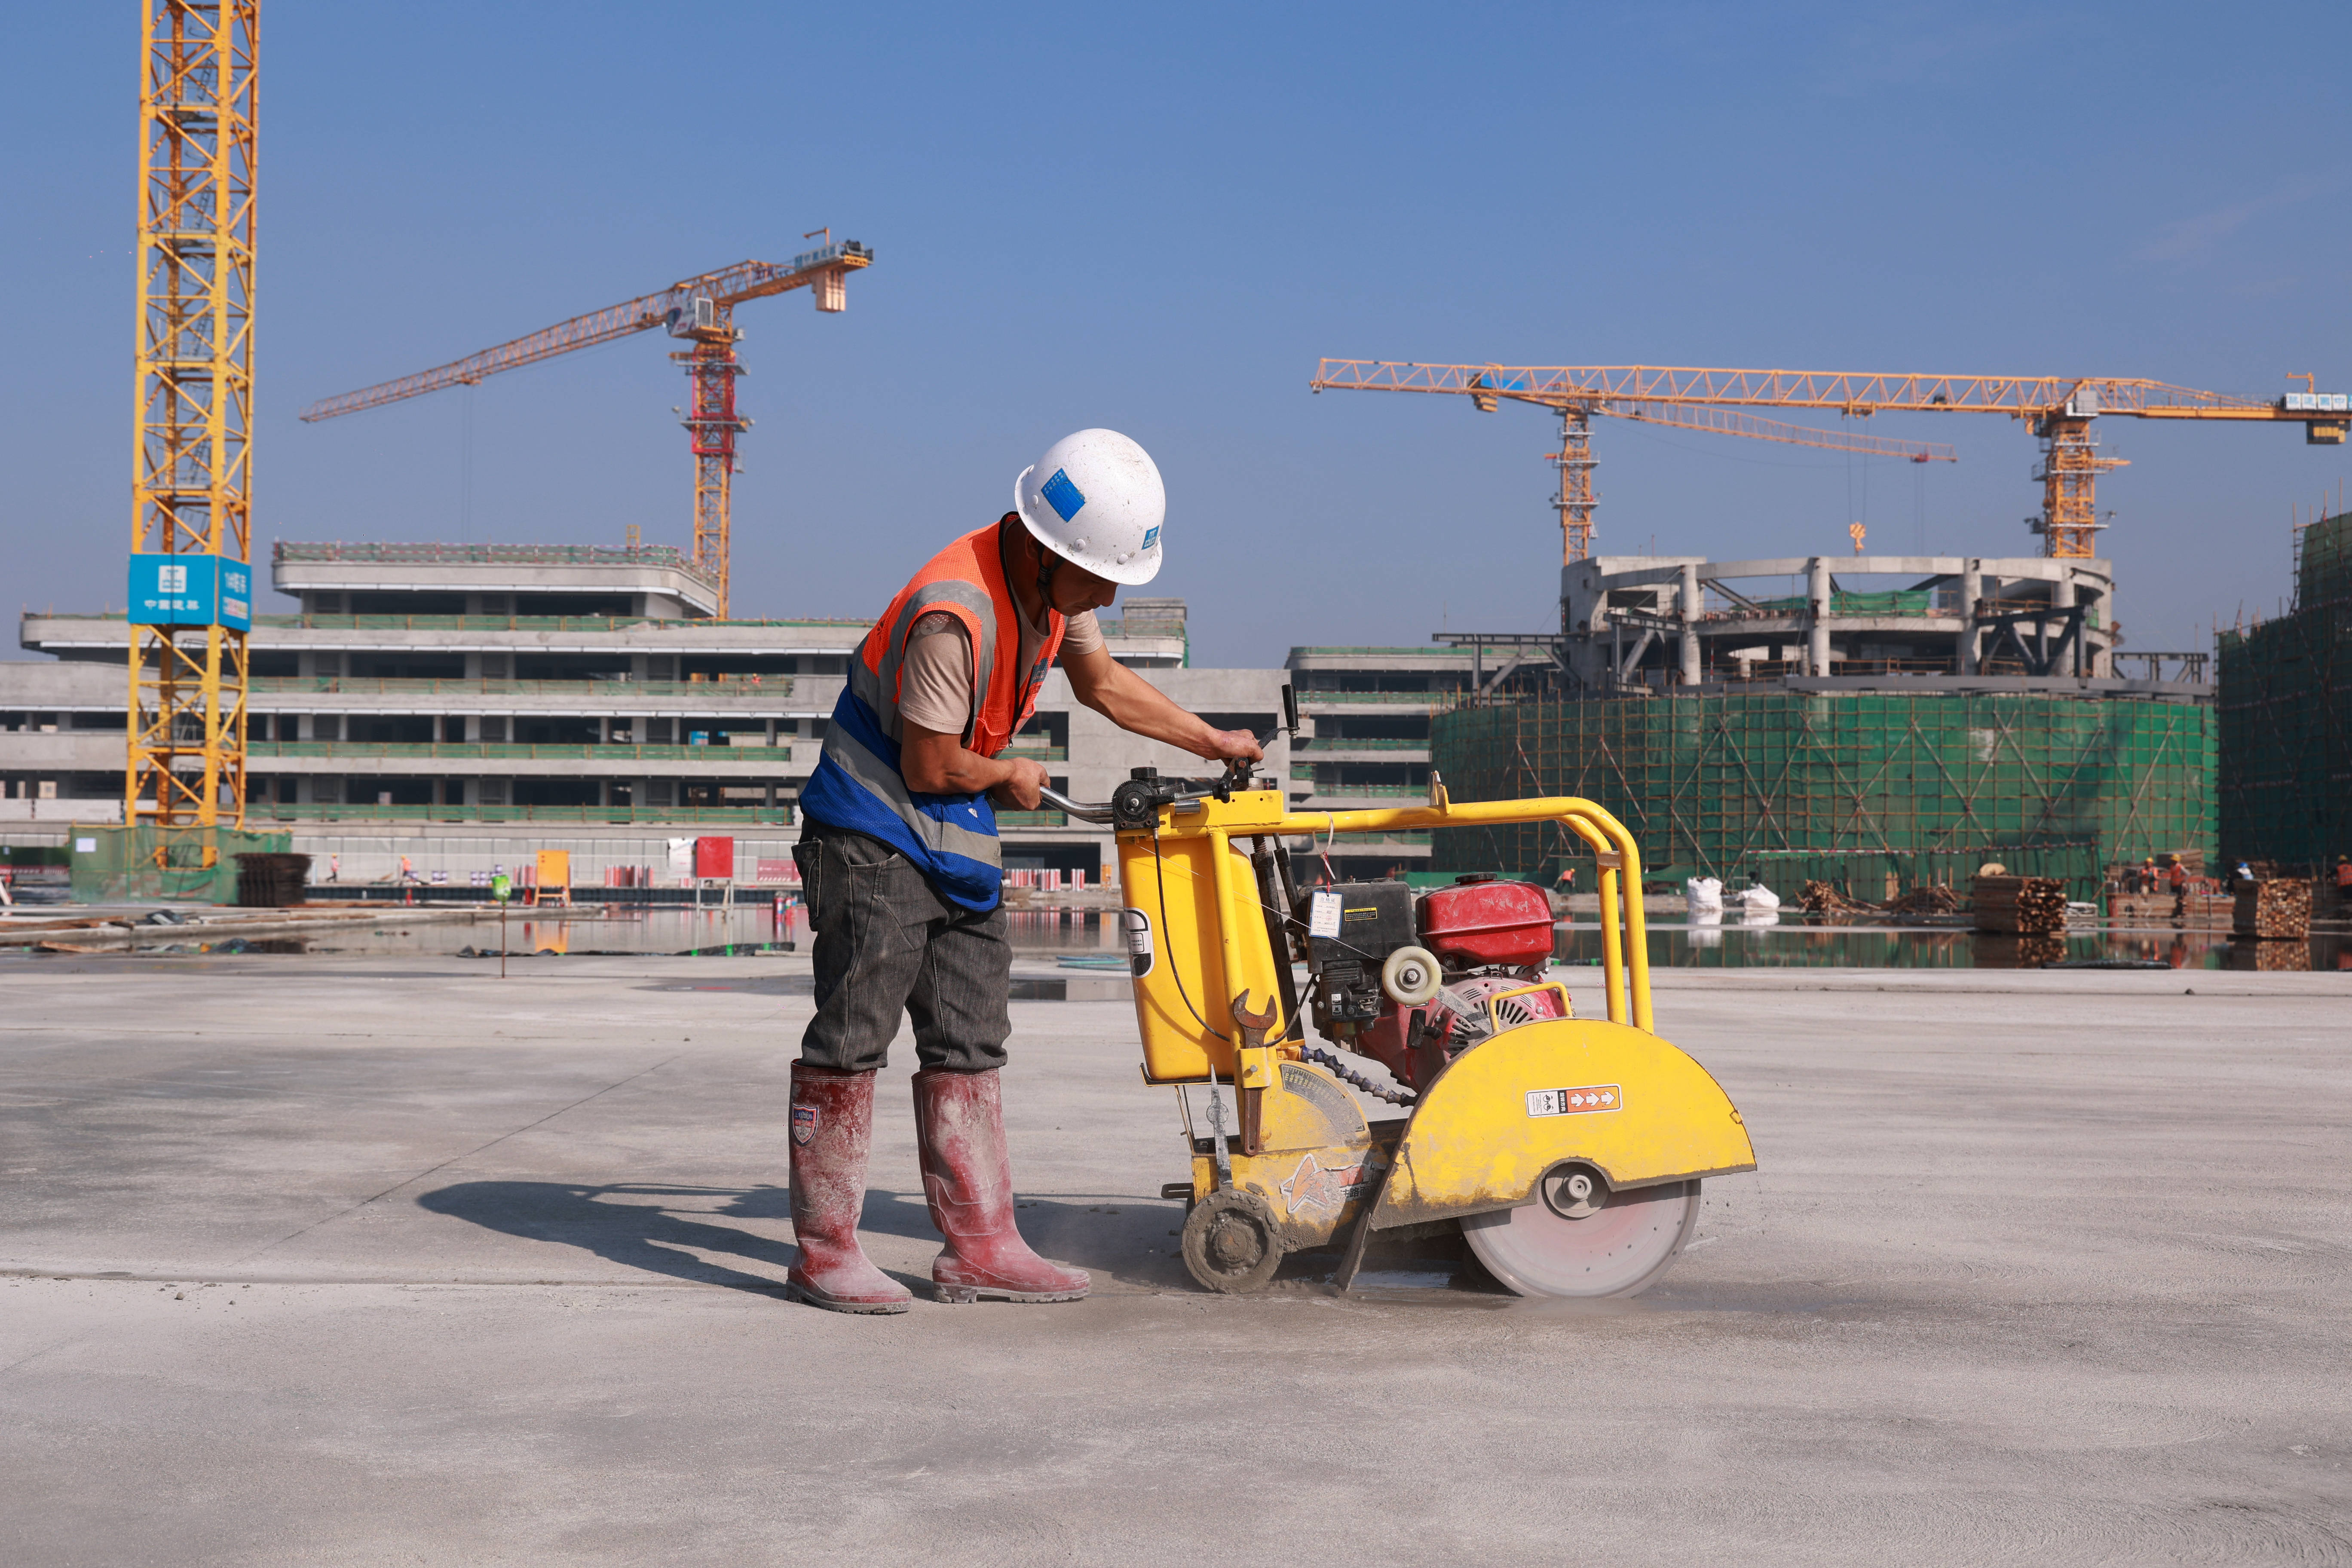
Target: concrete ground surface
x: 332, y: 1260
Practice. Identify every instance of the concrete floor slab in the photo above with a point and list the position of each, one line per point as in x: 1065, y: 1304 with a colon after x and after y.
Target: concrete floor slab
x: 321, y: 1260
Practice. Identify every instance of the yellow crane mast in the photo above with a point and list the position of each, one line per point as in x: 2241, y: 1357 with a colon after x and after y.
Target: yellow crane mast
x: 189, y: 592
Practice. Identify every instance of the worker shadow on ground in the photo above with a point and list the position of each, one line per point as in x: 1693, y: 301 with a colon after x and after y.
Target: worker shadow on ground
x: 682, y: 1232
x: 670, y: 1230
x: 686, y: 1231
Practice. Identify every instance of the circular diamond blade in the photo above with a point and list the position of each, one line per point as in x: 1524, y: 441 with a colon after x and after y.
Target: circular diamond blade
x: 1619, y: 1250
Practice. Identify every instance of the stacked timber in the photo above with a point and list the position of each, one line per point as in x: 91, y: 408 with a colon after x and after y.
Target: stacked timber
x: 1932, y: 900
x: 2278, y: 909
x: 1820, y: 898
x: 2018, y: 906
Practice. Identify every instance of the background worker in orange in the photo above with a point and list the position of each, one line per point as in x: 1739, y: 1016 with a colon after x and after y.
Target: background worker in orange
x: 899, y: 860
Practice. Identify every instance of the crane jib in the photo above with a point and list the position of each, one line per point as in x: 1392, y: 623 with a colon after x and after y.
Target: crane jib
x: 726, y: 287
x: 1844, y: 392
x: 697, y: 307
x: 2060, y: 411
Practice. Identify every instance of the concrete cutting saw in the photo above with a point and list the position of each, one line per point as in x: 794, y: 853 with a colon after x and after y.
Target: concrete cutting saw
x: 1568, y: 1151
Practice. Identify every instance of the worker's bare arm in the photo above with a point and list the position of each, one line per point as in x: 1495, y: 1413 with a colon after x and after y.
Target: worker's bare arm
x: 1135, y: 705
x: 936, y: 763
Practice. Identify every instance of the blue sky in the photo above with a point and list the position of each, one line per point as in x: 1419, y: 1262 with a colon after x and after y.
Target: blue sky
x: 1158, y: 218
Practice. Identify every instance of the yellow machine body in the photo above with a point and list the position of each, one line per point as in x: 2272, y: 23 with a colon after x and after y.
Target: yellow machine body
x: 1213, y: 948
x: 1609, y: 1094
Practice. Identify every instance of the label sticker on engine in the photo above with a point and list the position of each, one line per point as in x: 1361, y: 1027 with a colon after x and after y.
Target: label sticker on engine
x: 1136, y: 927
x: 1575, y: 1102
x: 1323, y: 915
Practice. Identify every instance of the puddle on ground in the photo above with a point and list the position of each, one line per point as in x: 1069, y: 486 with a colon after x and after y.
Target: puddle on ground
x: 1089, y: 937
x: 744, y: 930
x: 1792, y: 942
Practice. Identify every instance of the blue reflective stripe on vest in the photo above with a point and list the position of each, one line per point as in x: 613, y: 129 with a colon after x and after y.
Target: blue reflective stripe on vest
x: 926, y: 829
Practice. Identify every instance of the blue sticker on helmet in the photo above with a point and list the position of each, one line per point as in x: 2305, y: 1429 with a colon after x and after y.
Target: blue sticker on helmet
x: 1062, y: 496
x: 1152, y: 536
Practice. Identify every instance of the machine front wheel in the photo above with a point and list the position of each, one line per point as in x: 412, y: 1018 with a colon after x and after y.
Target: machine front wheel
x: 1231, y: 1242
x: 1580, y: 1238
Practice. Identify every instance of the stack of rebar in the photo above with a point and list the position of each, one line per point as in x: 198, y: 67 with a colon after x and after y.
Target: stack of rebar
x: 271, y: 881
x: 2278, y: 909
x: 2018, y: 906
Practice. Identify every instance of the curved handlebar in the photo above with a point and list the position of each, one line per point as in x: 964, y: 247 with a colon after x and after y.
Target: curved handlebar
x: 1064, y: 803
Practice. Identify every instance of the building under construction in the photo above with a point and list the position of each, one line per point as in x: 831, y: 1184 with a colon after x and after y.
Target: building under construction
x: 2286, y: 708
x: 1801, y: 719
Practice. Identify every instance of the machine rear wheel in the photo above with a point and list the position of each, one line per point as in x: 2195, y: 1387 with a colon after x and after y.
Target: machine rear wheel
x: 1579, y: 1238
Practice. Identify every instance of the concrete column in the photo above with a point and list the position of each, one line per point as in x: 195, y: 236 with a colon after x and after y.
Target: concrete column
x: 1972, y: 591
x: 1690, y: 606
x: 2062, y: 597
x: 1817, y: 591
x: 2102, y: 664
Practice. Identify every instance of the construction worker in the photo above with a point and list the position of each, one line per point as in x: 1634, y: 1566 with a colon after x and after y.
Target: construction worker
x: 900, y: 861
x: 2343, y: 881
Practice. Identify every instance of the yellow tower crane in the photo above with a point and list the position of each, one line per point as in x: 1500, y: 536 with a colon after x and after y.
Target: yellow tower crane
x: 190, y: 592
x: 701, y: 309
x: 2059, y: 408
x: 1576, y: 499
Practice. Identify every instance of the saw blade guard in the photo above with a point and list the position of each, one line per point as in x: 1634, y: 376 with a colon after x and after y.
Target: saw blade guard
x: 1564, y: 1092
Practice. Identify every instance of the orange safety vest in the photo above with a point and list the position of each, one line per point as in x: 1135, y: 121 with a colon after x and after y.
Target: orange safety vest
x: 966, y: 580
x: 858, y: 783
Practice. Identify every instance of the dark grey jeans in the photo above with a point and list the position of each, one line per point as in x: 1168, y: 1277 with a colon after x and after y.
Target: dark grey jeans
x: 885, y: 945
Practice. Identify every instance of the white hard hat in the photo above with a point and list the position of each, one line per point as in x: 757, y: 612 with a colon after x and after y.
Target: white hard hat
x: 1094, y: 498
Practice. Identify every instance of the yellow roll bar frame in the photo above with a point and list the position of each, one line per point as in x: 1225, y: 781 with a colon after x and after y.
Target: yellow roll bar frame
x: 1624, y: 944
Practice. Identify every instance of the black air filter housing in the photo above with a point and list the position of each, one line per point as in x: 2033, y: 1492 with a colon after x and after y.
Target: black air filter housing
x: 1375, y: 920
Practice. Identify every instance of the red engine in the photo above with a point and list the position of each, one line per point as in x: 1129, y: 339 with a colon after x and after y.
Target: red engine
x: 1380, y: 994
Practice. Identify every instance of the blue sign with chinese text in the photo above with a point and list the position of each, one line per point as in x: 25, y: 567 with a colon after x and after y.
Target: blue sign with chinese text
x: 189, y: 591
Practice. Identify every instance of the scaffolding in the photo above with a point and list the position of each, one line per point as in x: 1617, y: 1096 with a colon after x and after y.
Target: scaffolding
x: 2286, y: 708
x: 1874, y: 794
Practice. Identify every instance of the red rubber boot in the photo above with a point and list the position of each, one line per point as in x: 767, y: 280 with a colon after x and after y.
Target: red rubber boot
x: 960, y: 1128
x: 833, y: 1126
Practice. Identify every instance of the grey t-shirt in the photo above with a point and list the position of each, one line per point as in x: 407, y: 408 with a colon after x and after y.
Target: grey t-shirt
x: 935, y: 680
